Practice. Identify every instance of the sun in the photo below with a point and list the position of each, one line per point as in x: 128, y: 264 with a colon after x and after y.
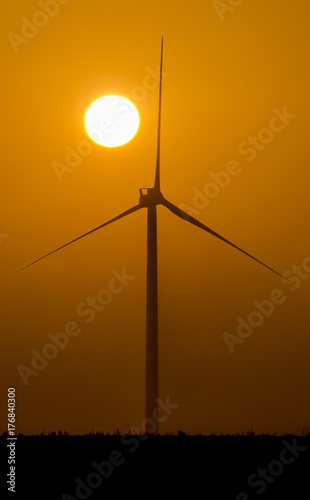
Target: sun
x: 112, y: 121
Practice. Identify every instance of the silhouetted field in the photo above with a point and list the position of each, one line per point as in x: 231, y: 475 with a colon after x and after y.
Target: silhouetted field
x: 211, y: 467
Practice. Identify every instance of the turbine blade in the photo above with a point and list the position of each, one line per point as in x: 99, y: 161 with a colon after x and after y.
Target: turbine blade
x: 130, y: 211
x: 157, y: 174
x: 183, y: 215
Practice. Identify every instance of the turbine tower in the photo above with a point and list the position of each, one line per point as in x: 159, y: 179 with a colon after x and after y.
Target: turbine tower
x: 150, y: 198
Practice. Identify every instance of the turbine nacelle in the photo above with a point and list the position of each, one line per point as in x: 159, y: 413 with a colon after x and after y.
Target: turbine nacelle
x: 149, y: 197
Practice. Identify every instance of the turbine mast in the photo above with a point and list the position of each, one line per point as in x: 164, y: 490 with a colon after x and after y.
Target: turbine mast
x: 157, y: 175
x: 151, y: 373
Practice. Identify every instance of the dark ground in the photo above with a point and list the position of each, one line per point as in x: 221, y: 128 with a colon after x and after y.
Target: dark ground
x: 211, y: 467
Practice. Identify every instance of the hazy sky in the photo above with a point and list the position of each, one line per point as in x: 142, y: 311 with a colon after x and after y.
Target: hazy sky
x: 235, y: 152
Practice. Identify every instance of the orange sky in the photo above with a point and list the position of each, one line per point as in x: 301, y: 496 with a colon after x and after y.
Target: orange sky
x: 231, y: 76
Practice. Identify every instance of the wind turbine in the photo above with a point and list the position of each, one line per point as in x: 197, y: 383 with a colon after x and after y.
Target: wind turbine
x: 150, y: 198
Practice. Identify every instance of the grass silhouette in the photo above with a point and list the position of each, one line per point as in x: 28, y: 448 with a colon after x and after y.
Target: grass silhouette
x: 52, y: 465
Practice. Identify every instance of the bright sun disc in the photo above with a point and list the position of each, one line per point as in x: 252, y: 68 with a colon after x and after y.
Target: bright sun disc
x: 111, y: 121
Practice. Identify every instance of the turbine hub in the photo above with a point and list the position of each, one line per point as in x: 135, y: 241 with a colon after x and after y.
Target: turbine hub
x: 150, y: 197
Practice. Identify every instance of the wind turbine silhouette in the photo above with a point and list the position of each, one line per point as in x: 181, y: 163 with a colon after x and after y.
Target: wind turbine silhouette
x: 150, y: 198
